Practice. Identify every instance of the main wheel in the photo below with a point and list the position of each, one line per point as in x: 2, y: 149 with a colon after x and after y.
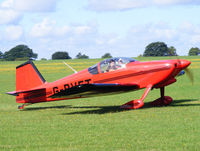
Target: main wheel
x: 162, y: 102
x: 168, y: 100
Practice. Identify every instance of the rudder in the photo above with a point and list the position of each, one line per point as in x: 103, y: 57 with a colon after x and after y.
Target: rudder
x: 28, y: 76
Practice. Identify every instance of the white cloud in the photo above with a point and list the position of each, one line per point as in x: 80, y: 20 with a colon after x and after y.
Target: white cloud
x: 35, y: 5
x: 74, y: 38
x: 45, y: 28
x: 107, y: 39
x: 190, y: 33
x: 81, y: 29
x: 7, y: 4
x: 117, y: 5
x: 61, y: 31
x: 47, y: 36
x: 48, y: 28
x: 9, y: 16
x: 175, y: 2
x: 13, y: 32
x: 12, y: 11
x: 182, y: 37
x: 195, y: 40
x: 87, y: 39
x: 30, y: 5
x: 107, y: 5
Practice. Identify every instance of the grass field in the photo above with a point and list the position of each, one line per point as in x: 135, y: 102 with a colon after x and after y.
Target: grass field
x: 97, y: 123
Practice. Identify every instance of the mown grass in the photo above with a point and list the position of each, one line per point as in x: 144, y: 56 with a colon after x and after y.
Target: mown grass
x: 98, y: 123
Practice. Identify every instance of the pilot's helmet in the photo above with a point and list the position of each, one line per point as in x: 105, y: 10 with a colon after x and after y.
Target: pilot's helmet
x: 120, y: 60
x: 112, y: 60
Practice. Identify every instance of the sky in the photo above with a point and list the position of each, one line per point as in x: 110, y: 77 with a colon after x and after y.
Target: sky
x: 95, y: 27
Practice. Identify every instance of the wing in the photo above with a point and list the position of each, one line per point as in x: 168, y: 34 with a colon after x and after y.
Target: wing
x: 95, y: 89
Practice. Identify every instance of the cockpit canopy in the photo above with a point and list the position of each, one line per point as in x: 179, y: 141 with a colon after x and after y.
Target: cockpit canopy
x: 111, y: 64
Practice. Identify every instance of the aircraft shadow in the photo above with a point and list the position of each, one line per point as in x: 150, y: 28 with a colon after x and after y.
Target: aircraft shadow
x: 110, y: 109
x: 45, y: 108
x: 178, y: 102
x: 96, y: 109
x: 116, y: 109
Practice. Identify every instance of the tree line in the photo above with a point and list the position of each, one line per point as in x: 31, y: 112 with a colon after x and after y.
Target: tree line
x: 23, y: 52
x: 161, y: 49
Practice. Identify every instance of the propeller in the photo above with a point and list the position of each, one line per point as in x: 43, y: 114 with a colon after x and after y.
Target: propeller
x: 187, y: 71
x: 189, y: 74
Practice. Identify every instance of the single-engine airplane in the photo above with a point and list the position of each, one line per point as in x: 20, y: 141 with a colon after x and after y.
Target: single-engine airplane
x: 110, y: 76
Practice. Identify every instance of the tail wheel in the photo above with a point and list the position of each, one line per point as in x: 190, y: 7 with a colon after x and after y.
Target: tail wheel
x: 23, y: 105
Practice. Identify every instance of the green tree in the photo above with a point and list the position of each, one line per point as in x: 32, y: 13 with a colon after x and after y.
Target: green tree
x: 1, y: 55
x: 81, y: 56
x: 172, y: 51
x: 44, y: 59
x: 21, y: 52
x: 60, y: 55
x: 194, y: 51
x: 156, y: 49
x: 107, y: 55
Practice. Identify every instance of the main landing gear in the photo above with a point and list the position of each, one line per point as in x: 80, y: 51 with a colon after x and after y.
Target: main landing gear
x: 136, y: 104
x: 163, y: 100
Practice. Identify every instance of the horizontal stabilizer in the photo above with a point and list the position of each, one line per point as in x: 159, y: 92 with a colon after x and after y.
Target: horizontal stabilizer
x: 15, y: 93
x: 12, y: 93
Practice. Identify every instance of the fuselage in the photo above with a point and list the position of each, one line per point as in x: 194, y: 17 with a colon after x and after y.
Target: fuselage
x: 157, y: 73
x: 131, y: 72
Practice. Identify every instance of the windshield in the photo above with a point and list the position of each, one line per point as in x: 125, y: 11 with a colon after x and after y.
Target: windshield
x: 93, y: 69
x: 113, y: 64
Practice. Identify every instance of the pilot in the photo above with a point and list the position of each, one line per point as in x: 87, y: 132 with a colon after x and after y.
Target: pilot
x: 112, y: 66
x: 120, y: 64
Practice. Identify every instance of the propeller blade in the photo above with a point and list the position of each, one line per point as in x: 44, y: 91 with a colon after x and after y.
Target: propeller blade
x: 189, y: 74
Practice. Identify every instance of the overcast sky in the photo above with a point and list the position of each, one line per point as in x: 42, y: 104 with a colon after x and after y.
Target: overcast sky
x: 94, y: 27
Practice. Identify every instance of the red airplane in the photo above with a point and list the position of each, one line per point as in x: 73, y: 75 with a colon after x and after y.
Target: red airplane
x: 109, y: 76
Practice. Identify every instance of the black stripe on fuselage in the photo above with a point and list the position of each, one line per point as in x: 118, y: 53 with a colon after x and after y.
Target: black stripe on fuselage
x: 89, y: 90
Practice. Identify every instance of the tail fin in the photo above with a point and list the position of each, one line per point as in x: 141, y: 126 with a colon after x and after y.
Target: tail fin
x: 28, y: 76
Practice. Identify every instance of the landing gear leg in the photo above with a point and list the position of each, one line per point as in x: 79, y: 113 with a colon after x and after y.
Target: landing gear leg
x: 163, y: 100
x: 136, y: 104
